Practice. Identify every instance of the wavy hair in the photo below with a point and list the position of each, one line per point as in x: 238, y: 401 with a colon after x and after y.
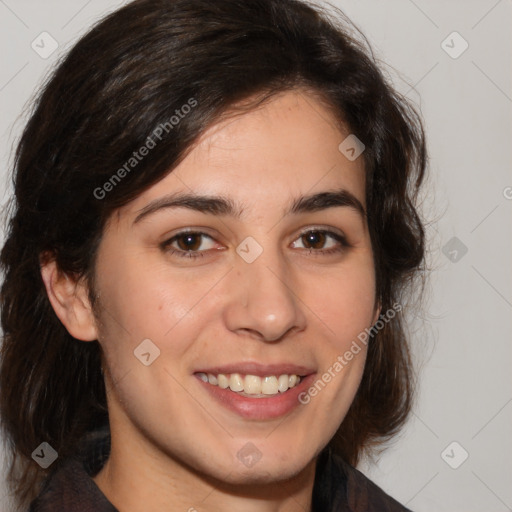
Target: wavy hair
x: 130, y: 74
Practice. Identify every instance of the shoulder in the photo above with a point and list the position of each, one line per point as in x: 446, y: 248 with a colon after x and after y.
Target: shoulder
x: 70, y: 487
x: 365, y: 495
x: 346, y: 488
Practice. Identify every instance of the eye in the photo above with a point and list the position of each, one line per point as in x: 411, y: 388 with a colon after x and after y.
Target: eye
x: 187, y: 244
x: 319, y: 237
x: 190, y: 244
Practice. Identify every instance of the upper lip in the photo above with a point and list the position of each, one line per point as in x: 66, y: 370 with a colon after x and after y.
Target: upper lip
x: 261, y: 370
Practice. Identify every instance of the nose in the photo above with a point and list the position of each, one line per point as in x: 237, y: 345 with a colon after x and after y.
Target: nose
x: 263, y: 301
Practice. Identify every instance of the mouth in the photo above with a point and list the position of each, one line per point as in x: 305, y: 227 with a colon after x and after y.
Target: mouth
x: 254, y: 391
x: 252, y: 386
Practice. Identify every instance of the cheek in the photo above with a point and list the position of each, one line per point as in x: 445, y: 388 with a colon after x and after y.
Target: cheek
x: 140, y: 297
x: 346, y: 304
x: 146, y: 301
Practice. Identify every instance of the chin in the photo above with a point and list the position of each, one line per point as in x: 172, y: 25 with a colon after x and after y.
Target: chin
x: 261, y: 474
x: 251, y: 466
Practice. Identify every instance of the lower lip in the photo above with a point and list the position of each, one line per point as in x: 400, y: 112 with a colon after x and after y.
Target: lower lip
x: 259, y: 408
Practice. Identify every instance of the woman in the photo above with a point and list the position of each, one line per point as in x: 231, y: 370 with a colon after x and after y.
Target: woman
x: 213, y: 232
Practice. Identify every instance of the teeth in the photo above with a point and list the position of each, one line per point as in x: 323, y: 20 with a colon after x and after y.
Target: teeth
x: 269, y: 386
x: 236, y: 382
x: 252, y: 384
x: 283, y: 383
x: 222, y: 381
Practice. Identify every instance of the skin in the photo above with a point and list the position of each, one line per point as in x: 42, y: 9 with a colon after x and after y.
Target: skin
x: 173, y: 447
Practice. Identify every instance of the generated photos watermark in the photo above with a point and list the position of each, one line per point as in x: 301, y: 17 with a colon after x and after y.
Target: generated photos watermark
x: 151, y: 142
x: 344, y: 359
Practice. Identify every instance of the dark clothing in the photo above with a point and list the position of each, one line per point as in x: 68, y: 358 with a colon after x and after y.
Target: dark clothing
x: 338, y: 487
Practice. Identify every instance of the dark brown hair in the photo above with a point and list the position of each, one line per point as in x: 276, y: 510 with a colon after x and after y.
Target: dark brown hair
x: 122, y: 80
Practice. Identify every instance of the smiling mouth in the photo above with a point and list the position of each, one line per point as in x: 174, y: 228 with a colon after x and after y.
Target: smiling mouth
x: 252, y: 386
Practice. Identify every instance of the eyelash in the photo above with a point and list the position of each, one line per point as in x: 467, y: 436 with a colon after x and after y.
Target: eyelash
x: 199, y: 254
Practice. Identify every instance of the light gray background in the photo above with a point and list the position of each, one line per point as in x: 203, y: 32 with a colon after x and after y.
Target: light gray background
x: 463, y: 343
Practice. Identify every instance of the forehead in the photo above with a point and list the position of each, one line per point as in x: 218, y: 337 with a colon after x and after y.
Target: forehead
x: 286, y: 147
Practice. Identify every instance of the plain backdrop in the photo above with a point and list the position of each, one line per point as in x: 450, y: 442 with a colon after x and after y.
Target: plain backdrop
x: 453, y: 60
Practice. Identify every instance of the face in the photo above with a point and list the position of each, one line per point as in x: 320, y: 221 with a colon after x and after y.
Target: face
x: 257, y: 289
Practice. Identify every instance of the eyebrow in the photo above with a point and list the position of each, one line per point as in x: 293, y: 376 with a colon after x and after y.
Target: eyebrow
x: 222, y: 205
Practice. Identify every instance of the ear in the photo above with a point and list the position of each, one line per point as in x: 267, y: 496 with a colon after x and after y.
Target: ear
x: 70, y: 301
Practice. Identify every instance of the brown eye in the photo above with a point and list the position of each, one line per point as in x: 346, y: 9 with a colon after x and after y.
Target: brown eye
x: 187, y: 244
x: 316, y: 239
x: 189, y: 241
